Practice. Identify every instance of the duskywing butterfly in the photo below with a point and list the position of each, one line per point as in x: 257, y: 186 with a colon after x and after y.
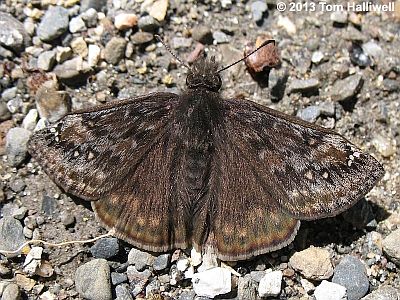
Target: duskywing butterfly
x: 171, y: 171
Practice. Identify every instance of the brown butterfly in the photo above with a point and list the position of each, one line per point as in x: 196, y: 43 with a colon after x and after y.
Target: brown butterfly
x: 172, y: 171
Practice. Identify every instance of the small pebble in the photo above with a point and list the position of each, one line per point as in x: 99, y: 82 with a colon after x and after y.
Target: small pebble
x: 161, y: 262
x: 158, y: 10
x: 11, y: 235
x: 373, y: 50
x: 213, y: 282
x: 92, y: 280
x: 79, y: 46
x: 141, y: 38
x: 270, y: 284
x: 137, y: 279
x: 49, y: 205
x: 202, y: 34
x: 98, y: 5
x: 303, y: 85
x: 93, y: 55
x: 4, y: 112
x: 11, y: 292
x: 347, y: 88
x: 12, y: 33
x: 77, y: 25
x: 71, y: 68
x: 317, y: 57
x: 220, y: 37
x: 115, y: 50
x: 148, y: 24
x: 122, y: 292
x: 105, y: 248
x: 258, y: 9
x: 125, y: 21
x: 16, y: 145
x: 385, y: 292
x: 385, y: 146
x: 118, y: 278
x: 314, y: 263
x: 359, y: 57
x: 68, y: 219
x: 391, y: 246
x: 287, y: 24
x: 339, y: 17
x: 30, y: 119
x: 351, y: 273
x: 140, y: 259
x: 181, y: 42
x: 330, y: 291
x: 51, y: 103
x: 53, y: 24
x: 309, y: 114
x: 46, y: 60
x: 247, y: 288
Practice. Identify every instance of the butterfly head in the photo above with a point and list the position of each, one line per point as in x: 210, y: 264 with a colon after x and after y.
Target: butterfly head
x: 204, y: 74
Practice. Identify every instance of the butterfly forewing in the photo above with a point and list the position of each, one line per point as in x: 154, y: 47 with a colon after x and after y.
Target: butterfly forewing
x: 312, y: 172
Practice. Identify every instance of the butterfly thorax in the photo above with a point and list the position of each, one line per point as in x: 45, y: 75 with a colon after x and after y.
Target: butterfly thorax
x: 204, y: 74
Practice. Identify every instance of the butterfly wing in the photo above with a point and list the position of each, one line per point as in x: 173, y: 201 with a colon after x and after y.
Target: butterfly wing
x: 119, y: 155
x: 272, y: 170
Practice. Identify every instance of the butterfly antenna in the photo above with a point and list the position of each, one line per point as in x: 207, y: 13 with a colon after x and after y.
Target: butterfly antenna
x: 170, y: 51
x: 242, y: 59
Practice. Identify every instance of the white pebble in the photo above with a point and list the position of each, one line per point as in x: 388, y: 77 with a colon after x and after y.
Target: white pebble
x: 270, y: 284
x: 213, y: 282
x: 330, y: 291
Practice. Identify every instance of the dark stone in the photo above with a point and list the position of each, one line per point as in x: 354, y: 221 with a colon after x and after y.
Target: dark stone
x: 105, y: 248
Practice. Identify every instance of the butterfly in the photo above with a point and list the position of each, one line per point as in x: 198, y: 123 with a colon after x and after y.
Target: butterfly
x: 168, y: 171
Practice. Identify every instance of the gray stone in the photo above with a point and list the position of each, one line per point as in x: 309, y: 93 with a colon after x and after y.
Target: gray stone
x: 220, y: 37
x: 49, y: 205
x: 118, y: 278
x: 115, y: 50
x: 105, y: 248
x: 330, y: 291
x: 277, y: 83
x: 339, y: 17
x: 11, y: 235
x: 4, y: 112
x: 46, y: 60
x: 303, y: 85
x: 9, y: 93
x: 181, y: 42
x: 391, y: 246
x: 16, y: 145
x: 5, y: 53
x: 15, y: 105
x: 309, y: 114
x: 90, y: 17
x: 187, y: 295
x: 140, y: 38
x: 202, y: 34
x: 53, y: 24
x: 68, y: 219
x: 71, y: 68
x: 148, y: 23
x: 161, y: 262
x: 140, y: 259
x: 137, y: 279
x: 122, y: 292
x: 327, y: 108
x: 317, y: 57
x: 29, y: 122
x: 247, y: 288
x: 92, y: 280
x: 257, y: 275
x: 12, y: 33
x: 153, y: 288
x: 351, y: 274
x: 373, y: 50
x: 76, y: 25
x: 270, y: 284
x: 213, y: 282
x: 11, y: 292
x: 384, y: 293
x: 347, y: 88
x: 258, y: 9
x: 98, y: 5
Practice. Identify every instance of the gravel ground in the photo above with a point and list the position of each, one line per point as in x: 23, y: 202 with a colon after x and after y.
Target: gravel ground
x: 339, y: 69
